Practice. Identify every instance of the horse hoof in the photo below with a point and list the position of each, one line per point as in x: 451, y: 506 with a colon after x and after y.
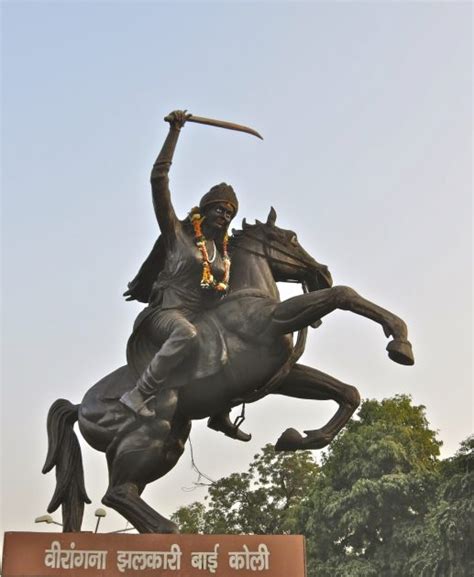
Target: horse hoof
x: 169, y: 527
x: 316, y: 440
x: 401, y: 352
x: 162, y: 527
x: 290, y: 440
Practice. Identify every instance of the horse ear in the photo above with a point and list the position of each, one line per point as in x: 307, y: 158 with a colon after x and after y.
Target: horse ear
x: 244, y: 224
x: 272, y: 216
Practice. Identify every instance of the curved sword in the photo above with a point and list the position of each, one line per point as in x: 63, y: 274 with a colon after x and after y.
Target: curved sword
x: 223, y: 124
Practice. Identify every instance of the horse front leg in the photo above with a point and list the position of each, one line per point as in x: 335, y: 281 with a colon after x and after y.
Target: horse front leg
x: 308, y: 383
x: 301, y: 311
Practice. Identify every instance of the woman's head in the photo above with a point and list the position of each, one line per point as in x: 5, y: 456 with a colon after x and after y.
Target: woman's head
x: 223, y: 193
x: 218, y: 207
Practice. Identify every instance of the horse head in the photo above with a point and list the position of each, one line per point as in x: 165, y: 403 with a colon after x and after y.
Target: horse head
x: 288, y: 260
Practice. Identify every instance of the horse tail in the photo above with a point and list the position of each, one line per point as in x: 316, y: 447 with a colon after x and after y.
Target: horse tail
x: 64, y: 453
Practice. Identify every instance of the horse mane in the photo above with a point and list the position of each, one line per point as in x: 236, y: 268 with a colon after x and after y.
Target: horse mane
x: 245, y: 231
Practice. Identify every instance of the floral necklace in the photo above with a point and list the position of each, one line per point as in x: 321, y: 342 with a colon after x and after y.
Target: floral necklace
x: 207, y: 279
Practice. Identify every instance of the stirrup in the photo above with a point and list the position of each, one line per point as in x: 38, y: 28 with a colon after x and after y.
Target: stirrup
x: 225, y: 425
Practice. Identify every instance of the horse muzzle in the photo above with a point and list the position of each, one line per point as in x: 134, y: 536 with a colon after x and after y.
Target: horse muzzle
x: 318, y: 278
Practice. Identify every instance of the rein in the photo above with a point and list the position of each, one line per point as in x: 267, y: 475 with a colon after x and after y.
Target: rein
x: 266, y: 255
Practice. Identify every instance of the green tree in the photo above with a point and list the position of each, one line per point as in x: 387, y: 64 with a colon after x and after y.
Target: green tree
x: 191, y: 518
x: 263, y: 500
x: 377, y: 481
x: 381, y: 504
x: 445, y: 546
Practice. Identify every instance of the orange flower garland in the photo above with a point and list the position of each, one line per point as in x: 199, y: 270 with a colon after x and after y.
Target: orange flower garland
x: 207, y: 280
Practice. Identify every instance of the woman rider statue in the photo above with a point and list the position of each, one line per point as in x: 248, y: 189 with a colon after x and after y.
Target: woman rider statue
x: 194, y: 266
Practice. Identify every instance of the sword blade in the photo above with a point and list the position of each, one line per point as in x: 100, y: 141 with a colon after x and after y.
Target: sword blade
x: 224, y: 124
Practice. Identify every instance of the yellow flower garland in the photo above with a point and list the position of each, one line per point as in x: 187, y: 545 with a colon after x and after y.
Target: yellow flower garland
x: 207, y: 280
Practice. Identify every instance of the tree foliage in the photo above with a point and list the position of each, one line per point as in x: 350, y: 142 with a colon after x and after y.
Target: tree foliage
x: 261, y: 501
x: 447, y: 537
x: 376, y: 485
x: 380, y: 504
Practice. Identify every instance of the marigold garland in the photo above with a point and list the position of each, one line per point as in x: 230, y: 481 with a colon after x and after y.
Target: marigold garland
x: 207, y: 280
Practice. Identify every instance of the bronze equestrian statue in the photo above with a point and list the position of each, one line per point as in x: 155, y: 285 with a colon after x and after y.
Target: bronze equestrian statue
x: 214, y: 335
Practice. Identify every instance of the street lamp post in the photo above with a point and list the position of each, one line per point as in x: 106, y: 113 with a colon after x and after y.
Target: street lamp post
x: 99, y: 513
x: 47, y: 519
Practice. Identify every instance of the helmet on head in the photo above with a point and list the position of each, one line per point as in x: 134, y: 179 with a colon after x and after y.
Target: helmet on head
x: 220, y: 193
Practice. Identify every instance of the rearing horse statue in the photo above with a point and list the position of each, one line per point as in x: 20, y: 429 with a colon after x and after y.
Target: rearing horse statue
x: 253, y: 355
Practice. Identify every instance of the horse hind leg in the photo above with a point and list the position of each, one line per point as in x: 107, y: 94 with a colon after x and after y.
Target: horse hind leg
x: 308, y: 383
x: 141, y: 456
x: 137, y: 463
x: 125, y: 498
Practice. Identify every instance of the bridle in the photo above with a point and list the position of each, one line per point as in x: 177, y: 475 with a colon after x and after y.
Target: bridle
x: 269, y: 247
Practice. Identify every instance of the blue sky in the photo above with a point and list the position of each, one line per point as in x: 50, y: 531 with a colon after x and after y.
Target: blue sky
x: 365, y: 109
